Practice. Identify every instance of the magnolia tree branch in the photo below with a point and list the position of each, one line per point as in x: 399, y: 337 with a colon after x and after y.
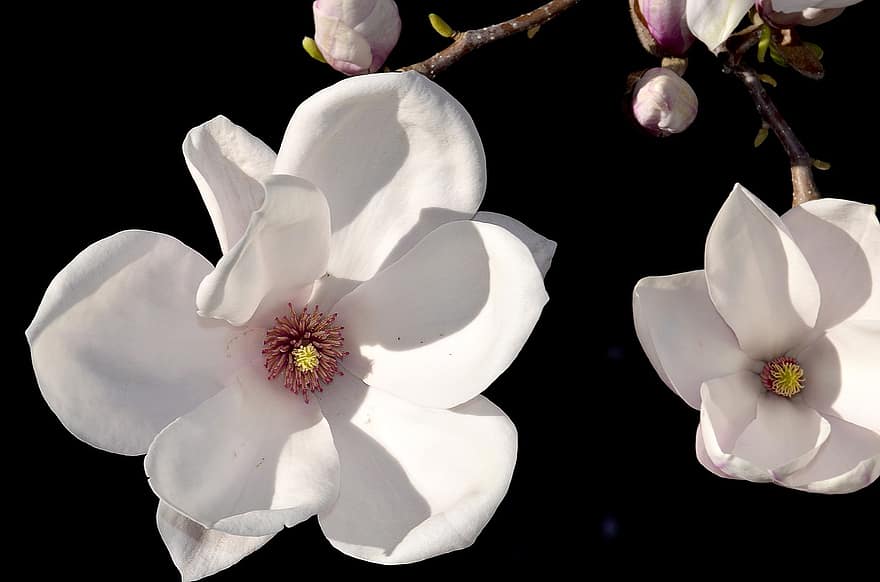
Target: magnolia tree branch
x: 471, y: 40
x: 799, y: 159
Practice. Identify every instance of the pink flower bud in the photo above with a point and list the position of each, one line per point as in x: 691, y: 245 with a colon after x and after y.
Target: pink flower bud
x: 667, y: 23
x: 356, y: 36
x: 664, y: 103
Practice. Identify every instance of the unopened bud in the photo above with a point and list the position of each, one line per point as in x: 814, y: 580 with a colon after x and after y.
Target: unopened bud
x: 356, y: 36
x: 663, y: 103
x: 662, y: 26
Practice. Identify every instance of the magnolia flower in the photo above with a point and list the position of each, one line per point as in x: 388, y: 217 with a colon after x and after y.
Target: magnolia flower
x: 356, y: 36
x: 255, y: 406
x: 712, y: 21
x: 663, y: 103
x: 776, y: 343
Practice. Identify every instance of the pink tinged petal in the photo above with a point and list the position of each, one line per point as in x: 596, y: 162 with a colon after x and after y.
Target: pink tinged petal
x: 705, y: 459
x: 843, y: 375
x: 283, y: 250
x: 785, y: 435
x: 542, y: 248
x: 229, y: 166
x: 729, y: 405
x: 356, y: 36
x: 841, y: 242
x: 344, y: 49
x: 198, y: 552
x: 251, y: 460
x: 684, y: 337
x: 396, y: 156
x: 117, y: 347
x: 848, y: 461
x: 712, y: 21
x: 438, y: 326
x: 754, y: 434
x: 758, y: 279
x: 416, y: 482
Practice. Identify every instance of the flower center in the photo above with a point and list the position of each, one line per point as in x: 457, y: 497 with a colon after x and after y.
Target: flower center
x: 306, y: 347
x: 783, y: 376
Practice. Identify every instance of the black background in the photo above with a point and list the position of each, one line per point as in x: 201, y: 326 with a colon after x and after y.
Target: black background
x: 606, y: 476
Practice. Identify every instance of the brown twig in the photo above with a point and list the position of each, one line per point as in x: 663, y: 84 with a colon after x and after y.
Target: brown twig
x: 470, y: 40
x: 801, y: 163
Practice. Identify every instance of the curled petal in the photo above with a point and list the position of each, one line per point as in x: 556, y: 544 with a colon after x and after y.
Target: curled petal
x: 229, y: 166
x: 395, y: 155
x: 198, y: 552
x: 542, y: 248
x: 755, y: 435
x: 712, y: 21
x: 848, y: 461
x: 283, y: 250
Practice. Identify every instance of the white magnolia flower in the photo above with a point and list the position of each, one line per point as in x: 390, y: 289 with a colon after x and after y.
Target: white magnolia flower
x: 712, y: 21
x: 400, y: 457
x: 776, y: 343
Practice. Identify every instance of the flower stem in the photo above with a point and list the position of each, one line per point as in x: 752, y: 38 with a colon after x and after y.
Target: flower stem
x: 470, y: 40
x: 801, y: 163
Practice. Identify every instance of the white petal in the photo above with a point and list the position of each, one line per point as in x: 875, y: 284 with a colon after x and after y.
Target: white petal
x: 758, y: 279
x: 683, y: 335
x: 848, y: 461
x: 283, y: 251
x: 438, y: 326
x: 705, y: 459
x: 117, y: 347
x: 396, y: 156
x: 843, y: 374
x: 542, y: 248
x: 198, y: 552
x: 229, y: 166
x: 416, y: 482
x: 798, y: 5
x: 784, y: 437
x: 712, y: 21
x: 841, y: 242
x: 754, y: 434
x: 251, y: 460
x: 729, y: 405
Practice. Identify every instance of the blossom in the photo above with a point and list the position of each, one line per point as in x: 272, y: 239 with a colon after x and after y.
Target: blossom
x: 664, y: 103
x: 359, y: 278
x: 776, y: 343
x: 666, y: 23
x: 712, y: 21
x: 356, y: 36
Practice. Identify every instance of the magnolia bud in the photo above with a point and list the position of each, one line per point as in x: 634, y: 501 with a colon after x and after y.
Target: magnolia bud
x: 663, y: 103
x: 665, y: 22
x: 807, y: 17
x: 356, y: 36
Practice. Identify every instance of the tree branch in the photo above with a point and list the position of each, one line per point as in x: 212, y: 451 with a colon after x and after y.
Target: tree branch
x: 801, y: 163
x: 471, y: 40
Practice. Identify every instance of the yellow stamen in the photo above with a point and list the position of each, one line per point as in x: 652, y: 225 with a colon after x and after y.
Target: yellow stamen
x: 305, y: 358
